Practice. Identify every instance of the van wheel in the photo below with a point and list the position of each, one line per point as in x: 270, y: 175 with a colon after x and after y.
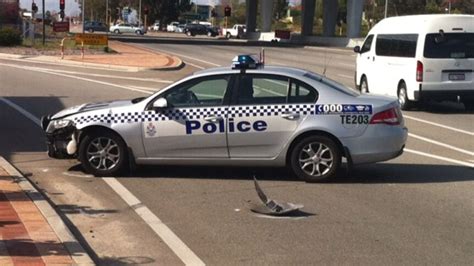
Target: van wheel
x: 364, y: 86
x: 315, y: 159
x: 405, y: 104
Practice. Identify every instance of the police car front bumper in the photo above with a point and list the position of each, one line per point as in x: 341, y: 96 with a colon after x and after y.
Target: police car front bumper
x: 58, y: 140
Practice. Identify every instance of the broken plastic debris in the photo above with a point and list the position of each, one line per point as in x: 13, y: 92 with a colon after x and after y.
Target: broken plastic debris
x: 272, y: 207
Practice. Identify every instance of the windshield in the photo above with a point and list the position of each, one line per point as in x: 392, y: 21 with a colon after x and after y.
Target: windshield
x: 449, y: 45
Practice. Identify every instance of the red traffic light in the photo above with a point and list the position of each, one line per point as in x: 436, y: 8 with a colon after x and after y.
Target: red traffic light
x: 145, y: 11
x: 62, y: 4
x: 227, y: 11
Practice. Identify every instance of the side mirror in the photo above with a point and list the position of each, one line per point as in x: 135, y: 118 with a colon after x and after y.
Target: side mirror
x: 357, y: 49
x: 160, y: 103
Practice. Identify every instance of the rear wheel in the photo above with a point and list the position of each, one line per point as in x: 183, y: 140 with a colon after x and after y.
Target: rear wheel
x: 91, y: 30
x: 405, y: 104
x: 227, y: 35
x: 117, y: 31
x: 103, y: 154
x: 315, y: 159
x: 209, y: 34
x: 364, y: 86
x: 188, y: 33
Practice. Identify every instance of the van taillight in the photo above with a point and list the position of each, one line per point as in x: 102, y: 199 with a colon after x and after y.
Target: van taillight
x: 419, y: 71
x: 389, y: 117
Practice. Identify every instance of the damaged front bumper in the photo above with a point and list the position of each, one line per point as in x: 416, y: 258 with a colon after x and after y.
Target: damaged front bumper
x: 61, y: 136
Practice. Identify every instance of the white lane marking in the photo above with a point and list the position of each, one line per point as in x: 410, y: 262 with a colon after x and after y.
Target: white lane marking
x: 176, y: 245
x: 441, y: 144
x: 189, y: 57
x: 62, y: 64
x: 77, y: 175
x: 439, y: 157
x: 439, y: 125
x: 346, y: 76
x: 22, y: 111
x: 346, y: 64
x: 109, y: 76
x: 75, y: 77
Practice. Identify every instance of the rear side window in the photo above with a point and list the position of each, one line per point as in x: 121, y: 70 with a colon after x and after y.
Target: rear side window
x: 449, y: 45
x: 399, y: 45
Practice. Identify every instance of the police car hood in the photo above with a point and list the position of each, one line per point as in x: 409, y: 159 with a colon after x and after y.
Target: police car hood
x: 90, y: 107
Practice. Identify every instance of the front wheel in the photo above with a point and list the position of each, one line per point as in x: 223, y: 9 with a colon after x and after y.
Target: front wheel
x: 315, y: 159
x: 117, y: 31
x: 103, y: 154
x: 228, y: 35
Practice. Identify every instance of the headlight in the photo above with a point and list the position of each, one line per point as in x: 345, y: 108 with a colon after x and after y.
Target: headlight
x: 57, y: 124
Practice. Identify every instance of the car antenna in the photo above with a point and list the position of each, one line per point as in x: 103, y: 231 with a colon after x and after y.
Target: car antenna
x: 326, y: 62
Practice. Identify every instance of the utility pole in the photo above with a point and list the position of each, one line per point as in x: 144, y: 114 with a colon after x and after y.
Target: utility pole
x: 139, y: 12
x: 83, y: 10
x: 386, y: 8
x: 44, y: 26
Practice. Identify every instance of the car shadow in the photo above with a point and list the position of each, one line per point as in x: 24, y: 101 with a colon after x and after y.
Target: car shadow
x: 363, y: 174
x: 443, y: 108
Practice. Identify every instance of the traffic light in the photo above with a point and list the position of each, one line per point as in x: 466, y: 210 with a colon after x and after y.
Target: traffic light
x: 213, y: 13
x: 145, y: 11
x: 34, y: 7
x: 61, y: 4
x: 227, y: 11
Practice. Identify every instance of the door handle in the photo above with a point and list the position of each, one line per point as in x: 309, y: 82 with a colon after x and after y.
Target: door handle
x: 213, y: 119
x: 290, y: 116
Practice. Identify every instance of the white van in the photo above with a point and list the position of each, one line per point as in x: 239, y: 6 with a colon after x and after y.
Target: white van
x: 418, y: 58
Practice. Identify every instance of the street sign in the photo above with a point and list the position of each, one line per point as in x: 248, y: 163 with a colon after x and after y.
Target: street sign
x: 61, y: 26
x: 91, y: 39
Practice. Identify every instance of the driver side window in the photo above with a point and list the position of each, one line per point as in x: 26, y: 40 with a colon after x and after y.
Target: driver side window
x: 208, y: 91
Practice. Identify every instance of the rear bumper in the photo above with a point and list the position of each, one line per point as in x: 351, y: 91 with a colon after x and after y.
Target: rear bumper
x: 379, y: 143
x: 443, y: 94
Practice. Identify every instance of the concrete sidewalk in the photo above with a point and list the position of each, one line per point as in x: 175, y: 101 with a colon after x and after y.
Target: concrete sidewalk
x: 31, y: 232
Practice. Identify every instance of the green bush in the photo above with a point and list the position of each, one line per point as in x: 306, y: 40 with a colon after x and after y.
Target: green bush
x: 9, y: 37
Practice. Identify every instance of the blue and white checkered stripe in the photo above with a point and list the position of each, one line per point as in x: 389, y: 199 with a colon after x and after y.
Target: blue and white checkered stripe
x: 199, y: 113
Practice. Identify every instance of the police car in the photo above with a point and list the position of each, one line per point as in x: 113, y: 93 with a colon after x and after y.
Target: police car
x: 247, y: 114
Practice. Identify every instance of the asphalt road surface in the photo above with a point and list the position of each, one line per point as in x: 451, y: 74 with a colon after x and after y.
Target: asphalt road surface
x: 415, y: 209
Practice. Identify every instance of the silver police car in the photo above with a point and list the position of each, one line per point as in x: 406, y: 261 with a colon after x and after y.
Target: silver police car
x: 247, y: 114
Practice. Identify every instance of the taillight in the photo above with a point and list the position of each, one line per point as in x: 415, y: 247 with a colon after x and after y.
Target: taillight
x: 419, y: 71
x: 389, y: 117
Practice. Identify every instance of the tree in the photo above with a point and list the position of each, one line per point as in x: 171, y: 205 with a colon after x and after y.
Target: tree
x: 280, y: 8
x: 9, y: 12
x: 166, y: 10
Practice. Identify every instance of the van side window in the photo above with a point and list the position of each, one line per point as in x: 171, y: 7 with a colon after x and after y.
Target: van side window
x: 367, y: 44
x: 399, y: 45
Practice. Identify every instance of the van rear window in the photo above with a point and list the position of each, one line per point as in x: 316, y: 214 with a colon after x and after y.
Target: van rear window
x: 399, y: 45
x: 449, y: 45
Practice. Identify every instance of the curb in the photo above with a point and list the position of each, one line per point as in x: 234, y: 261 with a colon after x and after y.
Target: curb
x: 76, y: 251
x: 165, y: 68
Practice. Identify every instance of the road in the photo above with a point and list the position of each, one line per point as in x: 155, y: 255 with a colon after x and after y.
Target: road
x: 416, y: 209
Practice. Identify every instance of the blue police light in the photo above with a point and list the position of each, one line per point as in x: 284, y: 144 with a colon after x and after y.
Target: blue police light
x: 246, y: 62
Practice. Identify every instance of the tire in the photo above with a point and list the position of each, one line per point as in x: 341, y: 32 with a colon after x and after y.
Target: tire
x: 228, y: 35
x: 137, y: 32
x: 117, y: 31
x: 189, y: 33
x: 103, y: 153
x: 405, y: 104
x: 209, y: 34
x: 91, y: 30
x: 364, y: 85
x: 321, y: 168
